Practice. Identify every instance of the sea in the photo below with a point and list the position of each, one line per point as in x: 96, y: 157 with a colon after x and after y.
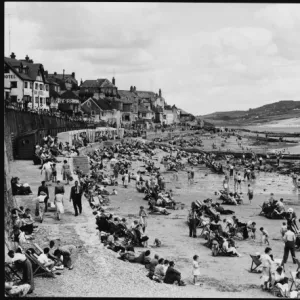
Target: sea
x: 286, y: 129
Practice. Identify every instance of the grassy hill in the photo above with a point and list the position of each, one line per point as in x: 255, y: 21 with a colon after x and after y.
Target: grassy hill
x: 271, y: 112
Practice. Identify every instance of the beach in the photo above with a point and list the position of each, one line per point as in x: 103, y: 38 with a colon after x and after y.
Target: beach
x: 105, y: 275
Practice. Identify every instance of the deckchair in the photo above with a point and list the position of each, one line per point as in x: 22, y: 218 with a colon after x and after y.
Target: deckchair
x: 38, y: 268
x: 293, y: 274
x: 11, y: 274
x: 40, y: 251
x: 255, y: 262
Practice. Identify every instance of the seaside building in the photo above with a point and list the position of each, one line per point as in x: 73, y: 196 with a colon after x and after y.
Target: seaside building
x: 25, y: 84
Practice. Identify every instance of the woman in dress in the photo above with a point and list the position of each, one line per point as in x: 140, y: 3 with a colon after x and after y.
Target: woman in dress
x: 66, y: 171
x: 59, y: 203
x: 47, y: 167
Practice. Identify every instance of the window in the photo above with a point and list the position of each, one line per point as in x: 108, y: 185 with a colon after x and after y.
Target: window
x: 6, y: 95
x: 36, y: 86
x: 144, y: 115
x: 26, y: 84
x: 13, y: 98
x: 13, y: 84
x: 92, y: 112
x: 41, y: 87
x: 47, y: 87
x: 31, y: 85
x: 37, y: 100
x: 41, y: 101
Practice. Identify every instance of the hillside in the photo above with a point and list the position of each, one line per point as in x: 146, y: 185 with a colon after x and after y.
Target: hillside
x: 271, y: 112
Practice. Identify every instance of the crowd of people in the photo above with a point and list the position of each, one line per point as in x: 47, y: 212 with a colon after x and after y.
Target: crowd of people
x: 109, y: 164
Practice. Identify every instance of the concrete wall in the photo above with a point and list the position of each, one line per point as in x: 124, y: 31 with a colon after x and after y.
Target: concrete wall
x: 18, y: 122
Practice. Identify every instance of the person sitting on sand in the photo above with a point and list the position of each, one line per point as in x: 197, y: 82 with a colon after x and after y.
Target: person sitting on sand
x: 151, y: 266
x: 172, y: 275
x: 159, y: 271
x: 228, y: 247
x: 46, y: 261
x: 127, y: 254
x: 143, y: 258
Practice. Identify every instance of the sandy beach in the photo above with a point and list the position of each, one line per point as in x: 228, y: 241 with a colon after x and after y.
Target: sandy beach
x: 105, y: 275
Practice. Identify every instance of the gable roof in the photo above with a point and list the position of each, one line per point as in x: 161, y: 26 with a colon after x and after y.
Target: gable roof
x: 64, y: 77
x: 144, y: 94
x: 183, y: 112
x: 32, y: 68
x: 127, y: 96
x: 97, y: 83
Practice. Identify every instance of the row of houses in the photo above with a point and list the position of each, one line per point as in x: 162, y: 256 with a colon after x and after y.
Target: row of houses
x: 27, y: 84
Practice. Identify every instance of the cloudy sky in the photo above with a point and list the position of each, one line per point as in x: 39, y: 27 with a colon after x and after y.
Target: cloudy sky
x: 205, y: 57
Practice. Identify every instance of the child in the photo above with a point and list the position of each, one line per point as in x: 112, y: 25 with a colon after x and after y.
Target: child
x: 264, y: 236
x: 54, y: 173
x: 114, y: 192
x: 196, y: 269
x: 250, y: 193
x: 157, y: 243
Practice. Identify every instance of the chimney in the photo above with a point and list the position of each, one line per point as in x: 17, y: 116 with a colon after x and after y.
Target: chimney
x: 55, y: 73
x: 81, y: 82
x: 159, y: 92
x: 131, y: 89
x: 63, y: 73
x: 113, y: 81
x: 27, y: 58
x: 13, y: 56
x: 134, y: 89
x: 46, y: 74
x: 73, y: 75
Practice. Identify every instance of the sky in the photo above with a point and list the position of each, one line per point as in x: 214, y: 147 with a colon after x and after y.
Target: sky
x: 205, y: 57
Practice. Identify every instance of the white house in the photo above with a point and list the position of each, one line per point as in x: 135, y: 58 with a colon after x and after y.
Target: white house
x: 26, y: 82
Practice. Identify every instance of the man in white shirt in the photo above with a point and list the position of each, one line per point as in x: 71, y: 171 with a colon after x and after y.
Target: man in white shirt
x: 289, y: 238
x: 45, y: 261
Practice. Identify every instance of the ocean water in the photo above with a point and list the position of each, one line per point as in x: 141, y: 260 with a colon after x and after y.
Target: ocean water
x: 287, y: 129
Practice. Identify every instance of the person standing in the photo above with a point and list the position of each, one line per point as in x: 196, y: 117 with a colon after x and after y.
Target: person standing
x: 143, y: 218
x: 47, y: 167
x: 264, y: 236
x: 66, y: 171
x: 226, y: 184
x: 289, y: 239
x: 59, y: 189
x: 196, y: 269
x: 250, y: 193
x: 75, y: 195
x: 294, y: 178
x: 192, y: 175
x: 266, y: 262
x: 126, y: 179
x: 59, y: 204
x: 44, y: 188
x: 193, y: 223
